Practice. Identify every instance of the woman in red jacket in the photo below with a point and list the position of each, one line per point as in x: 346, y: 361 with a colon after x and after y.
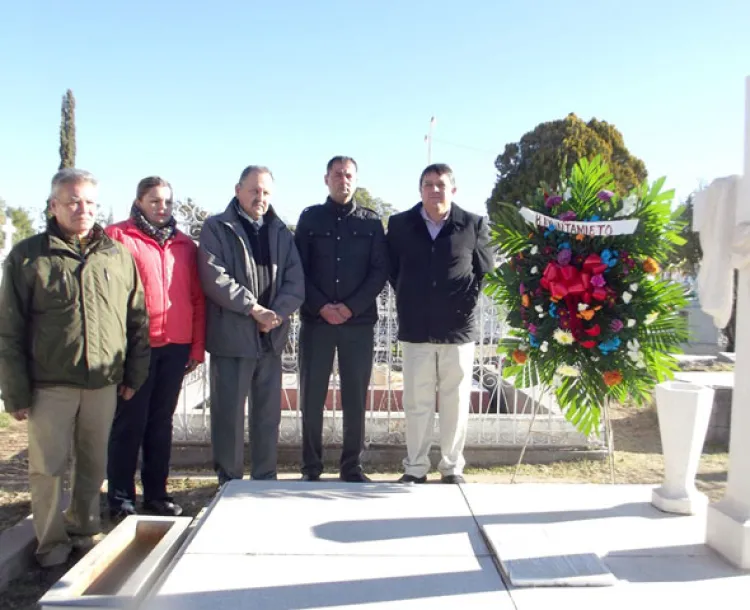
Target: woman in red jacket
x: 166, y: 260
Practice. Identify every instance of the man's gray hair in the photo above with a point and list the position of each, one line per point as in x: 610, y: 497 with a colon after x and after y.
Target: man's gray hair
x: 254, y: 169
x: 71, y: 175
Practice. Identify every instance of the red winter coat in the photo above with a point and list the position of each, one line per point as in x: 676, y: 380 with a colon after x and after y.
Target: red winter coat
x: 174, y: 297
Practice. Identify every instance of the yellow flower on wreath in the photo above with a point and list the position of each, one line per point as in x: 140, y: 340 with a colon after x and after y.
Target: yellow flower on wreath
x: 563, y: 337
x: 567, y: 370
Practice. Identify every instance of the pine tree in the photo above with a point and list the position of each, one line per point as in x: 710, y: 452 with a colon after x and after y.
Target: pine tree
x: 68, y: 131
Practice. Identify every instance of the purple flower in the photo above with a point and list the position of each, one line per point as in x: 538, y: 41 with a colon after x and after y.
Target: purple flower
x: 563, y: 256
x: 532, y: 329
x: 552, y: 201
x: 605, y: 195
x: 522, y: 288
x: 598, y: 281
x: 616, y: 325
x: 567, y: 216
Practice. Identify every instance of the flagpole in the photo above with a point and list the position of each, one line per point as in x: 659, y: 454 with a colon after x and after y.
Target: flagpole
x: 428, y: 139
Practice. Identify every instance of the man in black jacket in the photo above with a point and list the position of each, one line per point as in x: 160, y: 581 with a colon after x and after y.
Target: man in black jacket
x: 343, y: 252
x: 438, y: 256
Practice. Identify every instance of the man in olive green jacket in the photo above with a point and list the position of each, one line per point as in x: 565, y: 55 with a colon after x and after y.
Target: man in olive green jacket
x: 73, y: 327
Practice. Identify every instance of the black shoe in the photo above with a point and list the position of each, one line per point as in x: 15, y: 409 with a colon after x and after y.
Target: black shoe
x: 410, y: 479
x: 355, y: 477
x: 453, y: 479
x: 118, y: 512
x: 164, y: 508
x: 310, y: 477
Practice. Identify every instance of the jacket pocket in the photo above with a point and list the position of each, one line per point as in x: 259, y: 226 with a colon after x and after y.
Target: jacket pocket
x: 57, y: 290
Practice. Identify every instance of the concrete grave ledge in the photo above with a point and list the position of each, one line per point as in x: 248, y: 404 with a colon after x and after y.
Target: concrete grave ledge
x: 120, y: 570
x: 17, y: 546
x: 192, y: 454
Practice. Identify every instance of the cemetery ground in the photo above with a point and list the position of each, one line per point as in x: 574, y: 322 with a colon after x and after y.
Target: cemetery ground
x: 637, y: 460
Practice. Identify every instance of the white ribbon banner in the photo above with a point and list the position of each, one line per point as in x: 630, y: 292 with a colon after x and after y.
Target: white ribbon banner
x: 595, y: 229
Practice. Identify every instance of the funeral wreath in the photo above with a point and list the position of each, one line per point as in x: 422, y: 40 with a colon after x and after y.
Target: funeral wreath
x: 591, y: 318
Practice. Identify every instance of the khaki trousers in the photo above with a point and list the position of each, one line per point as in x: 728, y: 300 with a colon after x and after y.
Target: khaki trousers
x: 443, y: 372
x: 62, y: 418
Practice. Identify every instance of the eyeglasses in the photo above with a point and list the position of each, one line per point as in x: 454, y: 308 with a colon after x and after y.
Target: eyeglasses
x: 75, y: 202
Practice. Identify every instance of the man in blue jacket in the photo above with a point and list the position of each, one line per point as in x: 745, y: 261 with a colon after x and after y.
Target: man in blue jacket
x: 438, y: 256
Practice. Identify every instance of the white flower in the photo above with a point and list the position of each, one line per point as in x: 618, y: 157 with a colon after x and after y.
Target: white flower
x: 535, y: 250
x: 635, y: 354
x: 582, y: 306
x: 631, y: 322
x: 628, y: 205
x: 524, y: 347
x: 595, y: 358
x: 544, y: 347
x: 567, y: 194
x: 566, y: 370
x: 563, y: 337
x: 541, y: 315
x: 634, y: 287
x: 651, y: 318
x: 539, y: 308
x: 626, y: 296
x: 534, y: 270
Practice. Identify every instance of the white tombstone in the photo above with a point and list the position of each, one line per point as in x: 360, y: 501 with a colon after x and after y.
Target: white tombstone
x: 728, y: 521
x: 9, y: 230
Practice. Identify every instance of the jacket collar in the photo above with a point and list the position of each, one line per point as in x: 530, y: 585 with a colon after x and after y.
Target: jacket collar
x: 231, y: 216
x: 336, y: 208
x: 98, y: 240
x: 457, y: 218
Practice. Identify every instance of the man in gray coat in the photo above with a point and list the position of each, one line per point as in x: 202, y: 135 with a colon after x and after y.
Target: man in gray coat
x: 253, y: 279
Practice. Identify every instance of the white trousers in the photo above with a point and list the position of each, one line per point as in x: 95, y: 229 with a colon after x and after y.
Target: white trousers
x: 442, y: 372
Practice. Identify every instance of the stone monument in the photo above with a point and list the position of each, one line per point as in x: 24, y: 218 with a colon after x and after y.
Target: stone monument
x: 728, y: 521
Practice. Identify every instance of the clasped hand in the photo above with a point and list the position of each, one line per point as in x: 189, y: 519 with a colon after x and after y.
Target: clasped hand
x: 335, y: 313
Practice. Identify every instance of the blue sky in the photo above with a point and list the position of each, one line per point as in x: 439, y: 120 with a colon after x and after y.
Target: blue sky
x: 195, y: 91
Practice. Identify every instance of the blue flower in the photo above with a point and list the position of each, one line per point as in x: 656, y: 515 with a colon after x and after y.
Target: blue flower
x: 550, y: 230
x: 553, y: 310
x: 609, y: 257
x: 564, y: 246
x: 609, y: 346
x: 533, y: 341
x: 594, y: 218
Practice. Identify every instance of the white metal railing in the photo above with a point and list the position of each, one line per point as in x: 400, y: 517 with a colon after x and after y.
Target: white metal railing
x: 500, y: 414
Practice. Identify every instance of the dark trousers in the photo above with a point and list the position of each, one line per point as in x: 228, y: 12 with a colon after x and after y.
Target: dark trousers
x: 145, y: 422
x: 317, y: 345
x: 233, y: 381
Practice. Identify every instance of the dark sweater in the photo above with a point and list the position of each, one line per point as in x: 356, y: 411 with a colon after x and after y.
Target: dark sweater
x: 261, y: 254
